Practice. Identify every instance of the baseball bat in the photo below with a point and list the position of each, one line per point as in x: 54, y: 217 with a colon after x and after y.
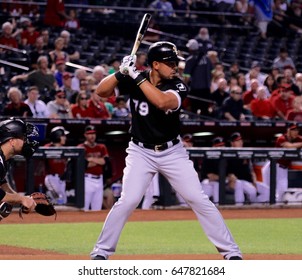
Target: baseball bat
x: 141, y: 32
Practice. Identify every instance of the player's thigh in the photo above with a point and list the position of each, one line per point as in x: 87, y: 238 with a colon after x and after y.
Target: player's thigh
x: 137, y: 174
x: 183, y: 177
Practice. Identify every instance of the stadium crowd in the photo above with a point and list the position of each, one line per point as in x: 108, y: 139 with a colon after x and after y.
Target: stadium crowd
x: 218, y: 90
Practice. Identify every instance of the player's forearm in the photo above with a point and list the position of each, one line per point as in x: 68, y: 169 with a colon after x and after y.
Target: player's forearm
x: 292, y: 145
x: 106, y: 87
x: 163, y: 101
x: 12, y: 198
x: 7, y: 188
x: 96, y: 161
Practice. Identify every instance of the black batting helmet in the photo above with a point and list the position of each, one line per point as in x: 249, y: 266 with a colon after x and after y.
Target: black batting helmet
x: 56, y: 133
x: 163, y: 51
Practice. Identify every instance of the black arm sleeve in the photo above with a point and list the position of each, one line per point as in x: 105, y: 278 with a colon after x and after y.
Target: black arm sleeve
x: 2, y: 194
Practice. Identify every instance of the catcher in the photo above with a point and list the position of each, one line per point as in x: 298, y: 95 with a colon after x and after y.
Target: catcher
x: 15, y: 139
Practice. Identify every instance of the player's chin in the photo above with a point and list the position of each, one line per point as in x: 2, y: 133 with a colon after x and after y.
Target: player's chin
x: 172, y: 75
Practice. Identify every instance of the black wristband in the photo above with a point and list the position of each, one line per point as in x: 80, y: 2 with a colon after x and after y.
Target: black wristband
x: 139, y: 80
x: 119, y: 76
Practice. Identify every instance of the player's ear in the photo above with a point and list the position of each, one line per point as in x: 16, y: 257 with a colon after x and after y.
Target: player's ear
x: 155, y: 64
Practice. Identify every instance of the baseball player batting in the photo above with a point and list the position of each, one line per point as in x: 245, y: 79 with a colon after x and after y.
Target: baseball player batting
x: 155, y: 99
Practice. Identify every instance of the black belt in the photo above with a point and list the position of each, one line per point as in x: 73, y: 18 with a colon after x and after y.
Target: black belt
x: 157, y: 147
x: 92, y: 176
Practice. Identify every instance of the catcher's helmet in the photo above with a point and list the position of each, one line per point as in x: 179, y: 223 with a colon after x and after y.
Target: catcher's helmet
x: 16, y: 128
x: 163, y: 51
x: 56, y: 133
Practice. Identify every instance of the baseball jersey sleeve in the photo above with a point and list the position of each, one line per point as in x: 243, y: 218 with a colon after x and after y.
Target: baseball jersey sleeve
x: 2, y: 194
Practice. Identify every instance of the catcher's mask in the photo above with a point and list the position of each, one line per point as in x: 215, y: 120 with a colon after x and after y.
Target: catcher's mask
x: 16, y: 128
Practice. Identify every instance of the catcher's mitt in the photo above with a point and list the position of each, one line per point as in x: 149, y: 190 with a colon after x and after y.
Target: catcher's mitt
x: 44, y: 206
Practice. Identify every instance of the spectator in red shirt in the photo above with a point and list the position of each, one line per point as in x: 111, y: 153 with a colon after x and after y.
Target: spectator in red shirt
x: 283, y: 102
x: 295, y: 114
x: 261, y: 107
x: 6, y: 37
x: 55, y: 14
x: 29, y: 35
x: 16, y: 107
x: 250, y: 95
x: 80, y: 109
x: 97, y: 107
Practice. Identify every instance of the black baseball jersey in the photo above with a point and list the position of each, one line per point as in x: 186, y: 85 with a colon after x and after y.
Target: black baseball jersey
x: 150, y: 124
x: 3, y: 170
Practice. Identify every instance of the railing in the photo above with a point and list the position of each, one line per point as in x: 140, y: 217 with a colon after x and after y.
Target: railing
x: 272, y: 154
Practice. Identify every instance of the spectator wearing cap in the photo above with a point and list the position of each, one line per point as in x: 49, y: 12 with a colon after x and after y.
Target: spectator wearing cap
x: 242, y: 178
x: 283, y: 61
x: 232, y: 107
x: 37, y: 106
x: 60, y: 107
x: 55, y: 167
x: 261, y: 108
x: 283, y: 102
x: 197, y: 74
x: 290, y: 139
x: 254, y: 73
x: 96, y: 156
x: 16, y: 106
x: 80, y: 110
x: 210, y: 173
x: 192, y: 46
x: 43, y: 78
x: 66, y: 87
x: 60, y: 69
